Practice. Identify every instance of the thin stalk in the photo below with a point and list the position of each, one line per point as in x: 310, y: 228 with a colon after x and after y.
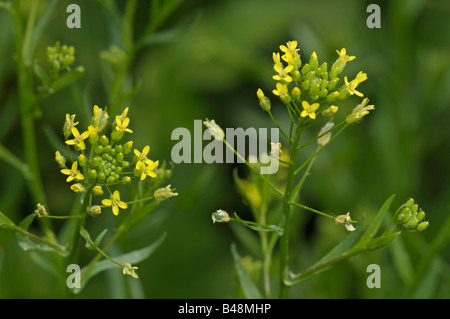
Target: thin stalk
x: 284, y: 240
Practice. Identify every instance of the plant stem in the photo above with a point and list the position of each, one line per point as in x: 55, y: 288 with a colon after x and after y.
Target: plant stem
x: 284, y: 240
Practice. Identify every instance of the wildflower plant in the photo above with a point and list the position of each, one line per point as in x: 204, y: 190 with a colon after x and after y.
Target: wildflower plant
x: 311, y: 93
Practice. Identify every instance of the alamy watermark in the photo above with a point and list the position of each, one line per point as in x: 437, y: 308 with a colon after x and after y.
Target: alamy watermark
x: 251, y: 142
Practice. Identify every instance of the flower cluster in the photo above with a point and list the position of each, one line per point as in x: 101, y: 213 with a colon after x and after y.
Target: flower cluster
x: 60, y: 58
x: 411, y: 217
x: 312, y: 88
x: 99, y: 162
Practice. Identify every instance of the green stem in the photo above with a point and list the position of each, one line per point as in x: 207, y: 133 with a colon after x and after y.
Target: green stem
x: 41, y: 240
x: 284, y: 240
x: 313, y: 210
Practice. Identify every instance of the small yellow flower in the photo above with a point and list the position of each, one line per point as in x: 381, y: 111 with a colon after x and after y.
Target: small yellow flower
x: 94, y: 210
x: 69, y: 124
x: 147, y: 170
x: 282, y: 92
x: 343, y: 55
x: 73, y: 173
x: 309, y: 110
x: 345, y: 220
x: 350, y: 87
x: 283, y: 72
x: 100, y: 118
x: 164, y: 193
x: 115, y: 203
x: 330, y: 111
x: 97, y: 190
x: 359, y: 112
x: 77, y: 188
x: 142, y: 156
x: 78, y: 140
x: 264, y: 101
x: 129, y: 270
x: 93, y: 136
x: 121, y: 125
x: 60, y: 159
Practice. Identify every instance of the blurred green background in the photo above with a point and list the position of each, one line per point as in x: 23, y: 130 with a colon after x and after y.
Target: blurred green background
x: 212, y: 69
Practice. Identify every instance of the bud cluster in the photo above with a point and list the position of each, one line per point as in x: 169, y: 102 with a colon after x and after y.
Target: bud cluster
x: 60, y: 58
x: 411, y: 217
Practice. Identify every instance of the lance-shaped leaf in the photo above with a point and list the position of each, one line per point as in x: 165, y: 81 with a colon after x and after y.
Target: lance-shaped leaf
x: 247, y: 285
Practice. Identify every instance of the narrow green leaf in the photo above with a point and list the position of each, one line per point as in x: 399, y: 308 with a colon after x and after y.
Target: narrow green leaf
x: 259, y: 227
x: 338, y: 253
x: 248, y: 287
x: 67, y: 79
x: 133, y: 258
x: 85, y: 234
x: 40, y: 27
x: 376, y: 223
x: 5, y: 222
x: 402, y: 261
x: 380, y: 242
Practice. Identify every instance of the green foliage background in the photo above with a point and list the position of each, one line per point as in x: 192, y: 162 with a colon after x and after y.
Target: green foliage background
x: 210, y: 66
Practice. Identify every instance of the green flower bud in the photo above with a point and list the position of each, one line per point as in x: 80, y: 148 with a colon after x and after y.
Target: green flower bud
x: 332, y: 84
x: 110, y: 179
x: 314, y: 90
x: 98, y: 149
x: 313, y: 61
x: 323, y: 93
x: 264, y: 101
x: 60, y: 159
x: 126, y: 180
x: 97, y: 190
x: 420, y: 215
x: 305, y: 85
x: 296, y: 94
x: 119, y: 157
x: 101, y: 176
x: 333, y: 96
x: 103, y: 141
x: 92, y: 174
x: 305, y: 69
x: 127, y: 147
x: 95, y: 161
x: 296, y: 76
x: 82, y: 160
x: 422, y: 226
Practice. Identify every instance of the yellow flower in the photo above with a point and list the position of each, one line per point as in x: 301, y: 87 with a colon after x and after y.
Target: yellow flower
x: 115, y: 203
x: 78, y: 140
x: 129, y: 270
x: 93, y: 136
x: 264, y: 101
x: 97, y: 190
x: 359, y: 112
x: 309, y: 110
x: 77, y: 188
x: 73, y: 173
x: 142, y: 157
x: 60, y: 159
x: 121, y: 125
x: 100, y: 118
x: 147, y: 170
x: 350, y: 87
x: 343, y: 55
x: 282, y: 92
x: 281, y: 70
x: 69, y: 124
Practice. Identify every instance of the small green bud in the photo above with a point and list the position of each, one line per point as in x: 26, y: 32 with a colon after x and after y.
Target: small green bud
x: 410, y: 202
x: 420, y: 215
x: 296, y: 76
x: 333, y: 96
x: 60, y: 159
x: 305, y: 69
x: 125, y: 164
x: 103, y: 141
x: 310, y: 76
x: 264, y: 101
x: 97, y: 190
x: 126, y: 180
x: 92, y: 174
x: 95, y: 161
x: 118, y: 149
x: 119, y: 157
x: 110, y: 179
x: 412, y: 223
x: 98, y: 149
x: 305, y: 85
x: 127, y: 147
x: 82, y: 160
x: 313, y: 61
x: 422, y: 226
x: 118, y: 170
x: 332, y: 83
x: 296, y: 94
x: 101, y: 176
x: 414, y: 208
x: 323, y: 93
x: 323, y: 84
